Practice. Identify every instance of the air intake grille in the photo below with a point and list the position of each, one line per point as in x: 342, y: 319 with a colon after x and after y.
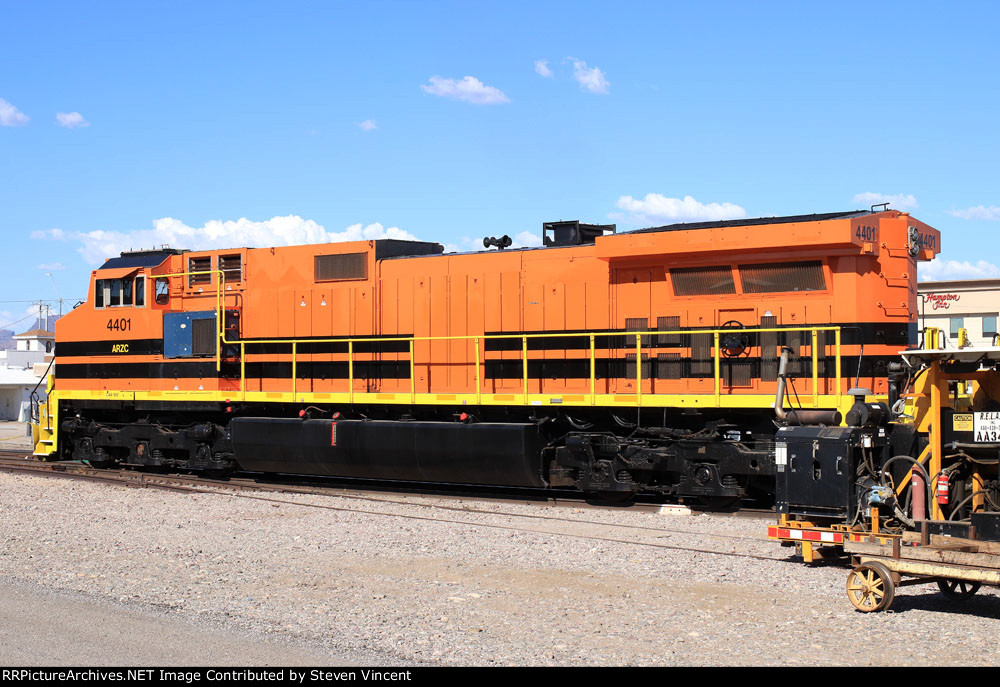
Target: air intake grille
x: 232, y: 268
x: 783, y: 276
x: 672, y: 323
x: 203, y: 336
x: 200, y: 265
x: 342, y: 266
x: 703, y: 281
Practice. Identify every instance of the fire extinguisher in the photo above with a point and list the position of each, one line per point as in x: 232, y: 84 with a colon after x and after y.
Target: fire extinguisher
x: 942, y: 489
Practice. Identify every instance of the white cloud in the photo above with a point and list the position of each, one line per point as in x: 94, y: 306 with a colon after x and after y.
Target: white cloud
x: 368, y: 125
x: 71, y: 120
x: 542, y: 69
x: 526, y: 239
x: 468, y: 244
x: 52, y: 267
x: 991, y: 213
x: 54, y: 234
x: 899, y: 201
x: 469, y: 90
x: 11, y: 116
x: 290, y: 230
x: 944, y: 270
x: 590, y: 78
x: 658, y: 208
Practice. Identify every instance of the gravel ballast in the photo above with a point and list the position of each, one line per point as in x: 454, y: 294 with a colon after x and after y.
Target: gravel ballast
x: 387, y: 577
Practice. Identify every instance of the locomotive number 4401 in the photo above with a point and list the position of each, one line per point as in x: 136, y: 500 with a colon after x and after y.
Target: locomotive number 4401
x: 120, y: 324
x: 865, y: 233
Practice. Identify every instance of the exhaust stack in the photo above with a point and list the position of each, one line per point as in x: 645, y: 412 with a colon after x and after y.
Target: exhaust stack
x: 798, y: 417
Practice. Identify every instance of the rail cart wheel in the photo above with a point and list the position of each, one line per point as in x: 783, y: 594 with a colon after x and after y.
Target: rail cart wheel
x: 958, y: 590
x: 870, y: 587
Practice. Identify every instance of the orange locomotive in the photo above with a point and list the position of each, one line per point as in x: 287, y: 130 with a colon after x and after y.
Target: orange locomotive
x: 609, y: 362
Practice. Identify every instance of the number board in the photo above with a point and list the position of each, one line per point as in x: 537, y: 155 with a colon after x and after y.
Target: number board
x: 987, y: 427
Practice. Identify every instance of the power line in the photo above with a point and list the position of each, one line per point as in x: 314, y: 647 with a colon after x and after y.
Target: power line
x: 42, y: 300
x: 4, y: 326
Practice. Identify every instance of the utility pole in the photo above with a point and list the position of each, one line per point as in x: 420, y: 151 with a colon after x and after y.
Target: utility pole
x: 57, y: 292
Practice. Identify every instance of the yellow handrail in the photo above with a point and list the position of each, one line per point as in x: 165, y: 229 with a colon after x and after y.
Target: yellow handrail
x: 716, y: 373
x: 219, y: 324
x: 524, y: 365
x: 479, y: 395
x: 413, y: 377
x: 638, y: 368
x: 815, y: 367
x: 593, y: 372
x: 554, y: 333
x: 477, y: 361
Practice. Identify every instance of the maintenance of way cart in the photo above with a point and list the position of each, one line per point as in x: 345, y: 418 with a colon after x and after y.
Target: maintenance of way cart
x: 908, y: 490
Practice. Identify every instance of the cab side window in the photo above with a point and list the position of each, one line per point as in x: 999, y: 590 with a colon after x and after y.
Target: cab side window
x: 120, y: 293
x: 127, y: 291
x: 116, y: 293
x: 162, y: 287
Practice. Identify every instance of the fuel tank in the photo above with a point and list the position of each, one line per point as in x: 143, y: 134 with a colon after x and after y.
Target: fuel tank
x: 477, y: 453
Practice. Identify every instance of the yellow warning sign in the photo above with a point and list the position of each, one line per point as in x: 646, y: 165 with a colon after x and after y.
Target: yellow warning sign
x: 962, y: 422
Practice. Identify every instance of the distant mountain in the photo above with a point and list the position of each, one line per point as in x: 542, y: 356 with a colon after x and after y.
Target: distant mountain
x: 39, y: 323
x: 7, y: 342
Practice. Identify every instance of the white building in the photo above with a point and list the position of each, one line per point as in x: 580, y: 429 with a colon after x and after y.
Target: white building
x: 22, y: 371
x: 970, y: 304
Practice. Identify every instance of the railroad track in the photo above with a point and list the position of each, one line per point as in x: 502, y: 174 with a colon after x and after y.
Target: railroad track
x: 364, y: 503
x: 16, y: 460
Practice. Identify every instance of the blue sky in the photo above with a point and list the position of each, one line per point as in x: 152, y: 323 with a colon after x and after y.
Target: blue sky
x: 220, y: 124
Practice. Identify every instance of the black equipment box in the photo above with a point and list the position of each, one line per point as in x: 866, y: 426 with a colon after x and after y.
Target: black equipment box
x: 816, y: 468
x: 987, y: 525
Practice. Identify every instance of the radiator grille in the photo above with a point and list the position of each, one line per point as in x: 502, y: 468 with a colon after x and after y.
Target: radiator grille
x: 783, y: 276
x: 669, y: 324
x: 203, y: 337
x: 701, y: 355
x: 668, y: 366
x: 703, y: 281
x: 341, y: 266
x: 738, y: 373
x: 630, y: 366
x: 636, y: 324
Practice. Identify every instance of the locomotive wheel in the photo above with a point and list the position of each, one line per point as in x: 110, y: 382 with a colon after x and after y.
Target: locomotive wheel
x: 101, y: 459
x: 958, y: 590
x: 870, y: 587
x: 219, y: 473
